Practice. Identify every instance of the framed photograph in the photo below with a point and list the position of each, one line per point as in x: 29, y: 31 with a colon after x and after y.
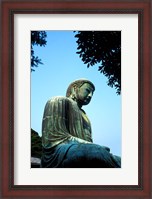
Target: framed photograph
x: 22, y: 108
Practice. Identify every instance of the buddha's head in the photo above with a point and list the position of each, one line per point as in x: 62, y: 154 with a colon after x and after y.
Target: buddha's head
x: 81, y: 91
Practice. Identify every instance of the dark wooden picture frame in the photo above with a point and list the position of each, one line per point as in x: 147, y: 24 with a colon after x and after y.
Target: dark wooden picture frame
x: 11, y: 7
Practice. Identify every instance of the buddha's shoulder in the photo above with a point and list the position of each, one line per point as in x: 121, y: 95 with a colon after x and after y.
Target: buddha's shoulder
x: 59, y: 99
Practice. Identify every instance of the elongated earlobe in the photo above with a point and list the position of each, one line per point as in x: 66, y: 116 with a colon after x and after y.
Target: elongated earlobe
x: 73, y: 93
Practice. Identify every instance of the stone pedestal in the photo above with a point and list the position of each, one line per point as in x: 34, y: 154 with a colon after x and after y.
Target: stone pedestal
x: 35, y: 162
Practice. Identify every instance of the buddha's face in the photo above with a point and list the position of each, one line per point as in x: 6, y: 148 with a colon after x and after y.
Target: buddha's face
x: 84, y: 94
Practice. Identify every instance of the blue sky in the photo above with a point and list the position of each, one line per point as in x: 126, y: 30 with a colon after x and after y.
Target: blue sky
x: 61, y: 66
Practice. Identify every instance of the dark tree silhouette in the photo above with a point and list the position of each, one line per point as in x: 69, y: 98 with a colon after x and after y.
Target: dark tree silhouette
x: 36, y: 144
x: 102, y: 47
x: 37, y: 38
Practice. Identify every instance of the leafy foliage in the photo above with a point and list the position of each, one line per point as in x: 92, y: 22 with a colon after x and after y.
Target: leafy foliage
x: 37, y: 38
x: 102, y: 47
x: 36, y: 144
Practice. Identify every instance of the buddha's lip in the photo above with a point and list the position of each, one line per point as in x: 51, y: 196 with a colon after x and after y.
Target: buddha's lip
x: 88, y: 99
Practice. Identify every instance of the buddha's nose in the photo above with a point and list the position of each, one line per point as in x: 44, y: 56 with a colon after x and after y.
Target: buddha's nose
x: 90, y: 94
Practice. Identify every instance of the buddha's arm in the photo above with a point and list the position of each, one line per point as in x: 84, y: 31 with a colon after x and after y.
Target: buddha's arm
x: 75, y: 139
x: 54, y: 126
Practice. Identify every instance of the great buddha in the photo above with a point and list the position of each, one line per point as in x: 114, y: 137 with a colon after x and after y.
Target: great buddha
x: 66, y: 132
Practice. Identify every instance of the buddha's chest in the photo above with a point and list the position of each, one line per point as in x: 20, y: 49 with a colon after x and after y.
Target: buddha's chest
x: 86, y: 125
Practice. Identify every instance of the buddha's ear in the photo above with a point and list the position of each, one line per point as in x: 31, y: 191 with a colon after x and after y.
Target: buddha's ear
x: 74, y: 88
x: 73, y: 92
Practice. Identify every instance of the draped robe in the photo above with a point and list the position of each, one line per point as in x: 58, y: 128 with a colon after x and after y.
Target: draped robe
x: 67, y: 138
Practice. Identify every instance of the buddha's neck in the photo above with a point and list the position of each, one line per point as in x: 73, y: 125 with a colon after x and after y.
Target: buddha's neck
x: 79, y: 105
